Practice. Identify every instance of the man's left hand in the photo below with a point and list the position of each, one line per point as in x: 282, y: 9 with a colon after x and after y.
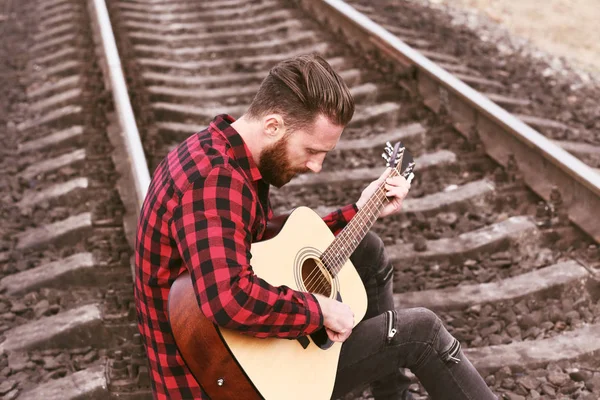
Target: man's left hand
x: 396, y: 189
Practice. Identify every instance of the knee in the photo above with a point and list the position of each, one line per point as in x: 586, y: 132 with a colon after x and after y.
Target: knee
x: 425, y: 323
x: 429, y: 325
x: 428, y: 328
x: 425, y: 329
x: 371, y: 246
x: 371, y: 258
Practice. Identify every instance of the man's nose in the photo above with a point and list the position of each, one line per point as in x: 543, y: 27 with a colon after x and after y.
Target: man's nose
x: 314, y: 166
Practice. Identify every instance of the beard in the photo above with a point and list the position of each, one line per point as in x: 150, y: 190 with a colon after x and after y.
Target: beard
x: 274, y: 164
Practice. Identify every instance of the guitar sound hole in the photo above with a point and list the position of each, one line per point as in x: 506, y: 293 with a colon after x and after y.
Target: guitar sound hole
x: 316, y: 278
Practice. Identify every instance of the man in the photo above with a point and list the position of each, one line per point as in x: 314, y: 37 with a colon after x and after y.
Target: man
x: 208, y: 201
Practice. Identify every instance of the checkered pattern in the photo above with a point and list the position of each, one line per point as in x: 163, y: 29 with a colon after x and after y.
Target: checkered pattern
x: 206, y: 204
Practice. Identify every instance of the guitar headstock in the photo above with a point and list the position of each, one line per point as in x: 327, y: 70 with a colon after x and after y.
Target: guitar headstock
x: 398, y: 157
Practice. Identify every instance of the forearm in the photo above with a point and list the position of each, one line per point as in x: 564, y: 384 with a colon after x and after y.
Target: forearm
x: 252, y: 306
x: 212, y: 229
x: 337, y: 220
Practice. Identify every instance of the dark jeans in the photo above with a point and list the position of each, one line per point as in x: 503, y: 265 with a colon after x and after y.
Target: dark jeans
x: 374, y: 353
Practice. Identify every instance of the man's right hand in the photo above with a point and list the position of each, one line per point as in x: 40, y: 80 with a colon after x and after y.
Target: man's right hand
x: 338, y: 318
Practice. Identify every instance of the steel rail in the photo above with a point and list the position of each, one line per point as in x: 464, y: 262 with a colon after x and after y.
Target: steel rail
x: 138, y: 166
x: 541, y: 163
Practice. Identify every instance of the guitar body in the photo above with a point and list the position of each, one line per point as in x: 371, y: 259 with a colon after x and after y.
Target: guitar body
x: 229, y: 365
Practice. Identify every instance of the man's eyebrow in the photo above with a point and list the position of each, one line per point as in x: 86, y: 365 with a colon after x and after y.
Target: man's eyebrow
x: 322, y: 150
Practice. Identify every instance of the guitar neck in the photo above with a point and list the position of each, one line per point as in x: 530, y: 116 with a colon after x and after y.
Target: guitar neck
x: 338, y: 252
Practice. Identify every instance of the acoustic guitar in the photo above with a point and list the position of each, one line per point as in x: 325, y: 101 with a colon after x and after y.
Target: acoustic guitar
x: 304, y: 255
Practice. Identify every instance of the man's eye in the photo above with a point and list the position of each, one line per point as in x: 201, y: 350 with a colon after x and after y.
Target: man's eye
x: 311, y: 151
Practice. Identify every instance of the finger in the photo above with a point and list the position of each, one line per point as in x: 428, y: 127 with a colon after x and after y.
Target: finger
x: 395, y: 191
x: 394, y: 204
x: 338, y: 337
x: 404, y: 186
x: 385, y: 174
x: 333, y: 336
x: 397, y: 180
x: 346, y: 335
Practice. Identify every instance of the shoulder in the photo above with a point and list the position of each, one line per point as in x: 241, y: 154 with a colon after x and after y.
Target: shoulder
x: 223, y: 183
x: 199, y: 159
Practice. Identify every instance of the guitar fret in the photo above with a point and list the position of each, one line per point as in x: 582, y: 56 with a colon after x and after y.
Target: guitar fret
x: 348, y: 240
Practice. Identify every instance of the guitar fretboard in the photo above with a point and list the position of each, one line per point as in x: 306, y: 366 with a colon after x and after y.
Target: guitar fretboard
x: 338, y: 252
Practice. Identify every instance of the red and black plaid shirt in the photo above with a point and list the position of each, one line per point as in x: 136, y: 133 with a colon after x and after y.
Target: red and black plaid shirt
x: 205, y: 205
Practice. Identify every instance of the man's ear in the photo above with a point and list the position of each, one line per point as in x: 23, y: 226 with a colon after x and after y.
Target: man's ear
x: 273, y: 126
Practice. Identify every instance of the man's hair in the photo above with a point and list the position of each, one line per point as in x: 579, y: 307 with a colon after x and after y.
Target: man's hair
x: 300, y: 89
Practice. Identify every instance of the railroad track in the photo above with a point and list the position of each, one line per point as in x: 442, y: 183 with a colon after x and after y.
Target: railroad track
x: 66, y: 302
x: 509, y: 86
x: 509, y: 264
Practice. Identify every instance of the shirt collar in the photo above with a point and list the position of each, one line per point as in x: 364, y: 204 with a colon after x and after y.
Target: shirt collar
x: 222, y: 125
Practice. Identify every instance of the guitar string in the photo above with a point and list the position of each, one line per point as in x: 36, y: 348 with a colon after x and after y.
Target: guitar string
x: 372, y: 210
x: 336, y: 259
x: 381, y: 192
x: 328, y: 262
x: 370, y: 206
x: 323, y: 283
x: 332, y: 260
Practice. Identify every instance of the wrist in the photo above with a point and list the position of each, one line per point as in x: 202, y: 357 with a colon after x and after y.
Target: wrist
x: 323, y: 303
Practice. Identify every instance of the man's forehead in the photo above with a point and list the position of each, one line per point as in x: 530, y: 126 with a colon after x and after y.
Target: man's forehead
x: 326, y: 132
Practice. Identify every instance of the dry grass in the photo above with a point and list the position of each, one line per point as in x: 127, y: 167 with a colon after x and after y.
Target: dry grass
x: 567, y: 28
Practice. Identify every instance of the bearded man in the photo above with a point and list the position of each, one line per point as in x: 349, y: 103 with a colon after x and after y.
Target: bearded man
x: 209, y: 201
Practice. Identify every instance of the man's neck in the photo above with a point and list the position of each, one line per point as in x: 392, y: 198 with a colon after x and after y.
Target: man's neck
x: 250, y: 131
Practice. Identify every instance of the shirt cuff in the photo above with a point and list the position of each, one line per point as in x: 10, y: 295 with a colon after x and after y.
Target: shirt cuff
x: 348, y: 212
x: 314, y: 315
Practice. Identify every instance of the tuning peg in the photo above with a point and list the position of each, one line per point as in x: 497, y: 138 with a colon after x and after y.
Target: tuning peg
x: 408, y: 170
x: 389, y: 151
x: 388, y: 144
x: 385, y: 157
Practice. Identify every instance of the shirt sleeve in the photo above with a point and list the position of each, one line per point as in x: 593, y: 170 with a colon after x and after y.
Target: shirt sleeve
x: 337, y: 220
x: 212, y: 231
